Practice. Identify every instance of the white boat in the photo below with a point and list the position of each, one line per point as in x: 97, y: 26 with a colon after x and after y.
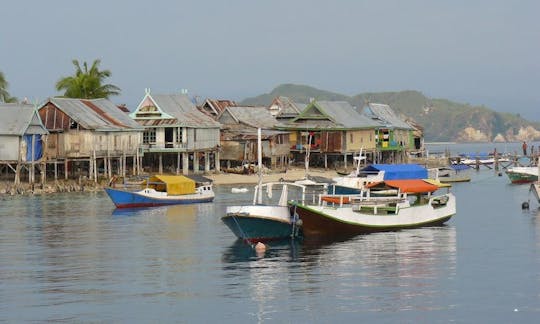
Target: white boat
x: 414, y: 205
x: 260, y: 222
x: 454, y: 173
x: 522, y: 174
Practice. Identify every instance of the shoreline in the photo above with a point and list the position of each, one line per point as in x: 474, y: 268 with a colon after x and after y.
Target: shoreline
x: 8, y: 188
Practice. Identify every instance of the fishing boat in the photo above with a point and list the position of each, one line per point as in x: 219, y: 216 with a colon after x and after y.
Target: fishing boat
x: 260, y: 222
x: 161, y: 190
x: 357, y: 181
x: 417, y: 203
x: 454, y: 173
x: 535, y: 186
x: 522, y: 174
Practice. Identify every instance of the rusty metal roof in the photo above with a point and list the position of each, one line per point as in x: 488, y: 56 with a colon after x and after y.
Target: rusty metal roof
x: 20, y: 119
x: 95, y: 114
x: 216, y: 106
x: 257, y: 117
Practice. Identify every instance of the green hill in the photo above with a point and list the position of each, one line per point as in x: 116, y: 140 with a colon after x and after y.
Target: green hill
x: 442, y: 120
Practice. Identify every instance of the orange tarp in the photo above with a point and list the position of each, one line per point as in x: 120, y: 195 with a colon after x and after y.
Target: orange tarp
x: 407, y: 186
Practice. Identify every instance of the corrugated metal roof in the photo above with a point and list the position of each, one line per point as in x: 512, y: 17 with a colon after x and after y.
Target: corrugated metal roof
x: 95, y: 114
x: 386, y: 115
x: 184, y: 110
x: 333, y: 114
x: 258, y: 117
x: 289, y: 107
x: 20, y: 119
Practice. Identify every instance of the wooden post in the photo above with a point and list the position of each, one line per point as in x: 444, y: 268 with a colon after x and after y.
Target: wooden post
x: 206, y: 162
x: 217, y: 161
x: 345, y: 160
x: 196, y: 162
x: 43, y: 172
x: 160, y: 163
x: 66, y: 162
x: 178, y: 163
x: 326, y: 161
x: 185, y: 163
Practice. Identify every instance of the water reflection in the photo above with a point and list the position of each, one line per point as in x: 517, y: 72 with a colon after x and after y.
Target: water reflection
x: 409, y: 264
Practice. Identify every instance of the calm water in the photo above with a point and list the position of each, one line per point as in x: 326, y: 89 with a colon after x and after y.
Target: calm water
x: 72, y: 258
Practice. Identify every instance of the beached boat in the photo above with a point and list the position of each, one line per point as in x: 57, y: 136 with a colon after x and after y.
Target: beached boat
x: 260, y: 222
x: 414, y: 205
x: 161, y: 190
x: 522, y: 174
x: 357, y: 181
x: 454, y: 173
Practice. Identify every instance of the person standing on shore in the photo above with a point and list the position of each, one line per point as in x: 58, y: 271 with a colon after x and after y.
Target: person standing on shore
x: 524, y: 146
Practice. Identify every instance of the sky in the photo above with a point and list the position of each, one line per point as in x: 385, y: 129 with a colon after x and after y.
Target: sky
x: 478, y: 52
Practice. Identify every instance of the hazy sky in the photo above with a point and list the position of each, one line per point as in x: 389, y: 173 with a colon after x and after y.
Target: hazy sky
x: 477, y: 52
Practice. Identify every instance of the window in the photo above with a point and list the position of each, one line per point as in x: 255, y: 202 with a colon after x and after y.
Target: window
x: 149, y: 136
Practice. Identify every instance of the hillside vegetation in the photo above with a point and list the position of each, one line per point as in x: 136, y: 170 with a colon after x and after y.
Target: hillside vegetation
x: 442, y: 120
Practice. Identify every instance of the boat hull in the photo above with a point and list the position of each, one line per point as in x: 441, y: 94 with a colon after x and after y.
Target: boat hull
x: 134, y: 199
x: 326, y: 221
x: 535, y: 188
x: 518, y: 178
x: 260, y: 223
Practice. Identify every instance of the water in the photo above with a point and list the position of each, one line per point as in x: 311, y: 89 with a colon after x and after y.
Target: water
x: 73, y: 258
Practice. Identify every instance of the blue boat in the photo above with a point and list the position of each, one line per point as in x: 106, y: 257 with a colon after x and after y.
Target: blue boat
x: 162, y: 190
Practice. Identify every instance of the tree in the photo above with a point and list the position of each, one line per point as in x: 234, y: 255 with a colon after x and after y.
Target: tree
x: 4, y: 94
x: 87, y: 83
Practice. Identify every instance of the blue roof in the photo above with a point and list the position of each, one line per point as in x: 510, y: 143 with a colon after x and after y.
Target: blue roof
x: 398, y: 171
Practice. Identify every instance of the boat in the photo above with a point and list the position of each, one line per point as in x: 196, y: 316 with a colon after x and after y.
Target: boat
x: 260, y: 222
x: 535, y: 186
x: 417, y: 203
x: 161, y: 190
x: 454, y: 173
x: 357, y: 180
x: 522, y: 174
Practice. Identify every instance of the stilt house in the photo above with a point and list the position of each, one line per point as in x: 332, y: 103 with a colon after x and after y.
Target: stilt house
x: 21, y: 141
x: 239, y: 137
x: 177, y: 136
x: 90, y: 135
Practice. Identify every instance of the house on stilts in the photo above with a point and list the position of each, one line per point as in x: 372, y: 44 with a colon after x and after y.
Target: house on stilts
x: 239, y: 137
x: 177, y: 136
x: 90, y: 137
x: 22, y: 137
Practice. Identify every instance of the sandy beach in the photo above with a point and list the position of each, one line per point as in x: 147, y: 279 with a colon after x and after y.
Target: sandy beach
x: 289, y: 175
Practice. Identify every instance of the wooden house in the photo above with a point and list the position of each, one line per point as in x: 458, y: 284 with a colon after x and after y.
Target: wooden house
x: 284, y: 109
x: 88, y: 135
x: 21, y: 140
x: 177, y: 135
x: 214, y: 107
x: 239, y: 136
x: 330, y: 129
x: 394, y: 136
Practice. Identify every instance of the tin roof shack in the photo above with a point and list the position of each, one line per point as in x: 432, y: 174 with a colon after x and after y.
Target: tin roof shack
x: 214, y: 107
x: 284, y: 109
x: 394, y: 136
x: 330, y: 129
x: 21, y: 141
x: 239, y: 137
x: 89, y: 135
x: 176, y: 133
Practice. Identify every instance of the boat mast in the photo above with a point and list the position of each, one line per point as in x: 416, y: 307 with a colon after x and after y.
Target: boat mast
x: 259, y: 160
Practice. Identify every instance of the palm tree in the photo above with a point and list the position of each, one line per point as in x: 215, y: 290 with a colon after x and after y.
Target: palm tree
x: 87, y: 83
x: 4, y: 94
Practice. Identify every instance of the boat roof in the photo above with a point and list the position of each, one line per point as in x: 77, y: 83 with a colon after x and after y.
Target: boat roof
x: 176, y: 184
x: 398, y: 171
x: 406, y: 185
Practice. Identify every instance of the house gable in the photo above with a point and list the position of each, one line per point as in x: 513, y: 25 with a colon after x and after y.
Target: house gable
x: 149, y: 109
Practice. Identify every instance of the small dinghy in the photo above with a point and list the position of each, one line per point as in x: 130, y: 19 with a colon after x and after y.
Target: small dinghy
x: 239, y: 190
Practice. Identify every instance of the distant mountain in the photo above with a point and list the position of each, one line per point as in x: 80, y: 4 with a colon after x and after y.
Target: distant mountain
x: 442, y: 120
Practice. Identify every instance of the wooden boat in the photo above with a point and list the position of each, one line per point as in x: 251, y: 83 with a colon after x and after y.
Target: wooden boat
x: 264, y: 222
x: 161, y: 190
x: 454, y: 173
x: 260, y: 222
x: 522, y: 174
x: 357, y: 181
x: 414, y: 205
